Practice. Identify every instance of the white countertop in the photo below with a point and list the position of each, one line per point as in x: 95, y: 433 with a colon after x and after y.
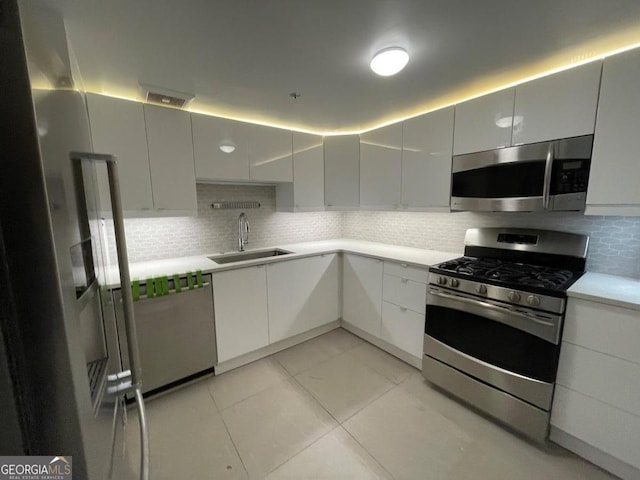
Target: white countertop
x: 609, y: 289
x: 181, y: 265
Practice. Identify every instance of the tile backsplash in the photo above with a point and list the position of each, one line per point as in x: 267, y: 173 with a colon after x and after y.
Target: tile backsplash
x: 614, y: 247
x: 614, y: 241
x: 215, y: 231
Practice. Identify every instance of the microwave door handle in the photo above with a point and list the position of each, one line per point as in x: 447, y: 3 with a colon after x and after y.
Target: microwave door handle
x: 548, y: 168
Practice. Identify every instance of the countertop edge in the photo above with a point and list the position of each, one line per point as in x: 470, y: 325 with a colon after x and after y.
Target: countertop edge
x: 607, y: 289
x: 313, y: 251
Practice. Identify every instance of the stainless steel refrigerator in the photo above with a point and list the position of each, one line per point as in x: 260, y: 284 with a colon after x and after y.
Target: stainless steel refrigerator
x: 60, y: 350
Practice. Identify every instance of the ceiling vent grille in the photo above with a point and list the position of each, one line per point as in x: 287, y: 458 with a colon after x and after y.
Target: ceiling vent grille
x: 165, y: 97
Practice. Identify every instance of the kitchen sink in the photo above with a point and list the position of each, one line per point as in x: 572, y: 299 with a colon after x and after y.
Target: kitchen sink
x: 242, y: 256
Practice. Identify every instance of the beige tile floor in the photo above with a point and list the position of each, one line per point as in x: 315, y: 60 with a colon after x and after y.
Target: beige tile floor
x: 334, y: 407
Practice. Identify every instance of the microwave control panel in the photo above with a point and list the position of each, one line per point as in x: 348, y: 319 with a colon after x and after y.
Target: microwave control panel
x: 569, y: 176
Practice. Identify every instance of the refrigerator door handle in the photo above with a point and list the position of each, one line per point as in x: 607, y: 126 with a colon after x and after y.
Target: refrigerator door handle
x: 127, y: 296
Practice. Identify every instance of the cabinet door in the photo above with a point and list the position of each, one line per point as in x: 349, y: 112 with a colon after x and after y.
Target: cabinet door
x: 173, y: 177
x: 484, y: 123
x: 209, y: 135
x: 308, y: 171
x: 615, y: 167
x: 303, y: 294
x: 362, y: 293
x: 240, y: 304
x: 270, y: 156
x: 426, y: 160
x: 557, y: 106
x: 117, y: 127
x: 381, y: 167
x: 403, y: 328
x: 342, y: 171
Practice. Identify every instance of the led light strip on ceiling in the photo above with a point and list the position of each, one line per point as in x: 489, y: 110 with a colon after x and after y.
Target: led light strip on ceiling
x: 433, y: 106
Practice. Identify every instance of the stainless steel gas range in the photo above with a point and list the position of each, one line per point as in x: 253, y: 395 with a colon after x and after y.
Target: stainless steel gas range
x: 494, y: 321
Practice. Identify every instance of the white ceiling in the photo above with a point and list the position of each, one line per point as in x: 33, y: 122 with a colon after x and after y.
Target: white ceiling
x: 242, y: 58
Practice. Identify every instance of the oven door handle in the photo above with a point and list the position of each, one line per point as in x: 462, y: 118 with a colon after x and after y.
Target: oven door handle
x: 547, y: 330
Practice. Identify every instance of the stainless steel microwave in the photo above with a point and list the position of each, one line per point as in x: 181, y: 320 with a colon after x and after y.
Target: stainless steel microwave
x: 536, y: 177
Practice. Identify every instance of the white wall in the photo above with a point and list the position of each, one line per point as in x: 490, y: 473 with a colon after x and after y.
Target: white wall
x: 614, y: 248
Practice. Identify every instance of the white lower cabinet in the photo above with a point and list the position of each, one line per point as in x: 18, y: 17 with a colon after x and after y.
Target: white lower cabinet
x: 404, y: 292
x: 362, y: 293
x: 597, y: 399
x: 404, y: 295
x: 303, y: 294
x: 403, y: 328
x: 240, y: 303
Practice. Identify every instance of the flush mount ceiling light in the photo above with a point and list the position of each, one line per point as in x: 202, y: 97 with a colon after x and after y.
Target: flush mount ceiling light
x: 389, y: 61
x: 227, y: 147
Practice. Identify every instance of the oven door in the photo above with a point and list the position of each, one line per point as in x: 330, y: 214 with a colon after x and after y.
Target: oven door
x: 486, y: 341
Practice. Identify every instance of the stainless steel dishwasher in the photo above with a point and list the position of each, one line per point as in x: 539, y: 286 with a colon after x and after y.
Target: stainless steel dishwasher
x: 176, y: 332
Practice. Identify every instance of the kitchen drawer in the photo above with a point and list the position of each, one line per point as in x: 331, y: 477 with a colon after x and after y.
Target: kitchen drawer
x: 404, y: 293
x: 403, y: 328
x: 405, y: 271
x: 600, y: 376
x: 604, y: 328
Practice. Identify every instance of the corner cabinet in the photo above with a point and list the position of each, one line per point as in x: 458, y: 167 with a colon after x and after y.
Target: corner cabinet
x: 342, y: 172
x: 209, y: 135
x: 241, y: 316
x: 615, y: 163
x: 306, y: 193
x: 381, y: 168
x: 270, y: 154
x: 426, y: 161
x: 173, y: 176
x: 117, y: 127
x: 362, y: 293
x: 303, y: 294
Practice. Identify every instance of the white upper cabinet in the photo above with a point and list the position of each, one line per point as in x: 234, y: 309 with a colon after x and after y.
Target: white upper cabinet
x: 342, y: 172
x: 426, y: 160
x: 615, y: 163
x: 173, y: 177
x: 307, y: 191
x: 381, y: 167
x: 117, y: 127
x: 270, y: 157
x: 557, y: 106
x: 209, y: 135
x: 484, y: 123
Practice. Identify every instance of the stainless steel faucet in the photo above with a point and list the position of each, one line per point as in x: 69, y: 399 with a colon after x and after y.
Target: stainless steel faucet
x: 243, y: 231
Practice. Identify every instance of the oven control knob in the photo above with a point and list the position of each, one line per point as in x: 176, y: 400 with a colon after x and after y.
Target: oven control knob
x: 454, y: 282
x: 481, y: 289
x: 513, y: 297
x: 533, y: 300
x: 442, y: 280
